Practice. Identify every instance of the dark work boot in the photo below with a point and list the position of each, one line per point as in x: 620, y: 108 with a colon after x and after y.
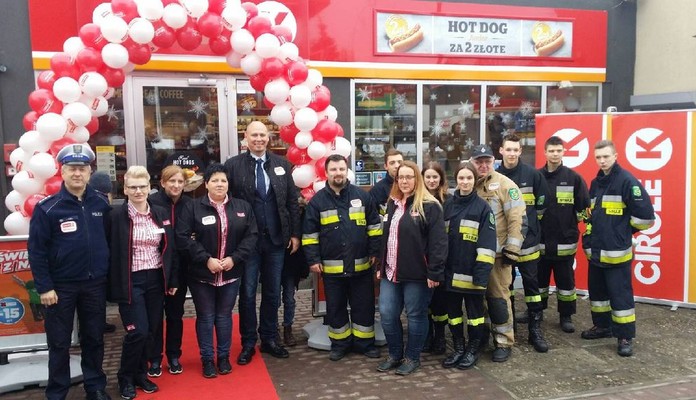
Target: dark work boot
x: 439, y: 345
x: 428, y: 346
x: 288, y: 337
x: 536, y: 337
x: 567, y: 324
x: 473, y: 348
x: 453, y: 359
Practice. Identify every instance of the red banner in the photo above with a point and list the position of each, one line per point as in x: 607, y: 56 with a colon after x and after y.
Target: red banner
x: 653, y: 147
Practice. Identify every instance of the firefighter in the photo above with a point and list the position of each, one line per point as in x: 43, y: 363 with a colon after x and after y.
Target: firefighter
x: 341, y: 238
x: 567, y: 201
x: 534, y: 193
x: 504, y: 198
x: 619, y: 207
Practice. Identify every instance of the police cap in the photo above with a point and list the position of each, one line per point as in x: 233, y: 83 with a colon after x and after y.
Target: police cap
x: 76, y: 154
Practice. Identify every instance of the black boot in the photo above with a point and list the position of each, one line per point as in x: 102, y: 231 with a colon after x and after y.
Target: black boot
x: 536, y: 337
x: 439, y: 345
x: 474, y: 347
x: 453, y: 359
x: 428, y: 346
x: 522, y: 318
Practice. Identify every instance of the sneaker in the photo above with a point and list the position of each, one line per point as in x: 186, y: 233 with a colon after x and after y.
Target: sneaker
x: 407, y: 367
x: 155, y: 369
x: 502, y: 354
x: 126, y: 390
x: 146, y: 385
x: 596, y: 333
x: 224, y: 366
x: 209, y: 370
x: 175, y: 367
x: 625, y: 348
x: 388, y: 364
x: 567, y: 324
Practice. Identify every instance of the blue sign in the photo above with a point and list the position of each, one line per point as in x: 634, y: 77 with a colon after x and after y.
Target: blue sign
x: 359, y: 165
x: 11, y: 310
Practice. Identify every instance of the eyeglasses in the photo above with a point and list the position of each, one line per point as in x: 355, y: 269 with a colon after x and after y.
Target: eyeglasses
x: 406, y: 177
x: 141, y: 188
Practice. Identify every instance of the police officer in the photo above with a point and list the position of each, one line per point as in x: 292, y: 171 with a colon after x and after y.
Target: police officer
x: 341, y: 238
x: 69, y: 258
x: 619, y: 207
x: 567, y: 201
x: 534, y: 193
x: 503, y: 196
x: 380, y: 191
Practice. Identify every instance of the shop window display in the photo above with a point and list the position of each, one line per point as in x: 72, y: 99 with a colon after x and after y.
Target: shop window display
x: 568, y: 98
x: 250, y: 107
x: 109, y: 143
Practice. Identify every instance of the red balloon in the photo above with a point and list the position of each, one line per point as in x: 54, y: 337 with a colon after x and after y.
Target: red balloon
x: 258, y: 81
x: 251, y: 11
x: 93, y: 125
x: 46, y: 79
x: 52, y: 185
x: 217, y: 6
x: 308, y: 192
x: 137, y: 53
x: 272, y: 67
x: 189, y: 38
x: 63, y: 65
x: 164, y: 37
x: 319, y: 168
x: 288, y: 133
x: 29, y: 120
x: 114, y: 76
x: 31, y: 202
x: 321, y: 98
x: 89, y: 59
x: 325, y: 131
x: 43, y: 101
x: 126, y: 9
x: 268, y: 103
x: 297, y: 156
x: 220, y: 45
x: 283, y: 33
x: 210, y: 25
x: 340, y: 130
x: 296, y: 72
x: 91, y: 36
x: 259, y: 25
x: 57, y: 145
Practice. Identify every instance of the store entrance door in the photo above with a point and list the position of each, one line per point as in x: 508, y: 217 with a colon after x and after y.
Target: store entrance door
x: 184, y: 121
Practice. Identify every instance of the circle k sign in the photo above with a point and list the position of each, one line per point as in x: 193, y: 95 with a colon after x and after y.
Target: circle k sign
x: 648, y: 150
x: 577, y: 148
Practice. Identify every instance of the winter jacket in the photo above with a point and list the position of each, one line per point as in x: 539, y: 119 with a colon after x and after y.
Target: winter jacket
x: 380, y: 193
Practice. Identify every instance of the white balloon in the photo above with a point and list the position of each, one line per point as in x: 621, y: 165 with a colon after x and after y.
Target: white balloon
x: 67, y: 89
x: 98, y: 106
x: 251, y: 63
x: 300, y: 96
x: 316, y: 150
x: 17, y: 224
x: 129, y: 67
x: 282, y: 114
x: 318, y: 185
x: 242, y: 41
x: 51, y: 126
x: 79, y: 135
x: 195, y: 8
x: 288, y: 51
x: 342, y: 146
x: 277, y: 90
x: 32, y: 141
x: 73, y: 45
x: 114, y: 29
x: 306, y: 119
x: 152, y: 10
x: 141, y: 30
x: 314, y: 79
x: 26, y: 183
x: 303, y: 139
x: 93, y: 84
x: 15, y: 201
x: 109, y: 93
x: 233, y: 17
x: 43, y: 165
x: 329, y: 113
x: 115, y: 55
x: 351, y: 176
x: 174, y: 16
x: 18, y: 158
x: 77, y: 114
x: 267, y: 45
x: 100, y: 12
x: 303, y: 175
x: 234, y: 59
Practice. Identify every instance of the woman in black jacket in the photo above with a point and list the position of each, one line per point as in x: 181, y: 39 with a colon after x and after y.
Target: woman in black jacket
x: 143, y: 268
x: 217, y: 233
x: 414, y: 250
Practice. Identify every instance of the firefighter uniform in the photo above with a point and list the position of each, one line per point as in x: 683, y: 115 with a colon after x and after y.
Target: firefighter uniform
x: 342, y: 231
x: 506, y: 203
x: 619, y: 207
x: 567, y: 201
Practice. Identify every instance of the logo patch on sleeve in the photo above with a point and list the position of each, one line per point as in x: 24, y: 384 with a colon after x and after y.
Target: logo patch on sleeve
x: 514, y: 194
x: 636, y: 191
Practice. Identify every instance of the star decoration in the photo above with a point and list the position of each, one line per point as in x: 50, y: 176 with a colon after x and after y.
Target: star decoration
x: 400, y: 102
x: 387, y: 116
x: 494, y: 100
x: 201, y: 134
x: 364, y: 93
x: 410, y: 128
x: 466, y: 109
x: 490, y: 117
x: 445, y: 113
x: 111, y: 113
x: 151, y: 99
x: 507, y: 118
x: 437, y: 128
x: 433, y: 96
x: 556, y: 106
x: 198, y: 107
x: 211, y: 151
x: 469, y: 143
x: 527, y: 108
x: 247, y: 106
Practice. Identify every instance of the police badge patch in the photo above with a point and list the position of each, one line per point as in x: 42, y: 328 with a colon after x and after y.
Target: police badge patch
x: 491, y: 218
x: 514, y: 194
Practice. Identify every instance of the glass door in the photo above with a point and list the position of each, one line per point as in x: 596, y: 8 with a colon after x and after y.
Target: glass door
x: 182, y: 121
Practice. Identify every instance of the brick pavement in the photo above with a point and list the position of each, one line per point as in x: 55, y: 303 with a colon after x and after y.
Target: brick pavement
x: 664, y: 366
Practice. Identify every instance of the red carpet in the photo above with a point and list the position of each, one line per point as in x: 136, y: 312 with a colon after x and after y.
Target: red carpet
x: 245, y: 382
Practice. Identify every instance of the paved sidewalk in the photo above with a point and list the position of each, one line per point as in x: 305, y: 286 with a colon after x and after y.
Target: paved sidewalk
x: 664, y: 366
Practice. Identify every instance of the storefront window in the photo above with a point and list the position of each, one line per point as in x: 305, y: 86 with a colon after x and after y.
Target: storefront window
x: 451, y: 124
x: 511, y: 109
x: 250, y: 107
x: 385, y: 117
x: 109, y: 144
x: 572, y: 99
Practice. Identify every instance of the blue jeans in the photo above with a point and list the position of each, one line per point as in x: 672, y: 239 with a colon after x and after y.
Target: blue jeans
x: 89, y: 299
x: 288, y: 285
x: 214, y: 306
x: 393, y: 298
x: 266, y: 262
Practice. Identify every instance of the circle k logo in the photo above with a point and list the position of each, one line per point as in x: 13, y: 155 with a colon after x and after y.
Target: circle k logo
x: 648, y: 150
x: 577, y: 148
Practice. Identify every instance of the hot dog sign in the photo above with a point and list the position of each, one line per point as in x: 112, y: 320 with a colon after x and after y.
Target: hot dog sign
x: 400, y: 33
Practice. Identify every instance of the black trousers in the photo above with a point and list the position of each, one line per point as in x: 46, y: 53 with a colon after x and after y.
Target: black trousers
x: 474, y: 311
x: 174, y: 312
x: 611, y: 299
x: 358, y: 331
x: 530, y: 282
x: 563, y: 274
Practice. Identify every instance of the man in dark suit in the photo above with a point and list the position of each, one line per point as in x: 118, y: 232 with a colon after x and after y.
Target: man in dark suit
x: 264, y: 180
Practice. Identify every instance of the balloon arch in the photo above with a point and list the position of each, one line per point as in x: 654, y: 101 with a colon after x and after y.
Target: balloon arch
x: 75, y: 91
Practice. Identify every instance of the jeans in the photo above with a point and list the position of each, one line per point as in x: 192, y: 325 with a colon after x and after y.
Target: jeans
x: 393, y: 298
x: 214, y: 306
x: 266, y: 261
x: 89, y: 299
x: 142, y: 319
x: 288, y: 286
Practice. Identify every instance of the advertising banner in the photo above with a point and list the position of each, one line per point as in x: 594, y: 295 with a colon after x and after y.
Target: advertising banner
x: 653, y: 147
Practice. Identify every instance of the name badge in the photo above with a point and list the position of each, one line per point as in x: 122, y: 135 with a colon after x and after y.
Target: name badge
x: 386, y: 217
x: 158, y: 231
x: 241, y: 214
x: 68, y: 226
x: 279, y: 171
x: 494, y: 186
x: 356, y: 203
x: 209, y: 220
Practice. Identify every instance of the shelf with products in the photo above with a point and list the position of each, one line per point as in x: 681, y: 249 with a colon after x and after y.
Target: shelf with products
x: 250, y: 108
x: 376, y: 133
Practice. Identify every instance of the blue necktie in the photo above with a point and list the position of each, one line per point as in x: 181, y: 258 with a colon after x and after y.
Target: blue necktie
x: 260, y: 178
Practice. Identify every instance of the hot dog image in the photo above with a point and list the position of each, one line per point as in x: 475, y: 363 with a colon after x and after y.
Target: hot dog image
x: 546, y: 42
x: 401, y: 37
